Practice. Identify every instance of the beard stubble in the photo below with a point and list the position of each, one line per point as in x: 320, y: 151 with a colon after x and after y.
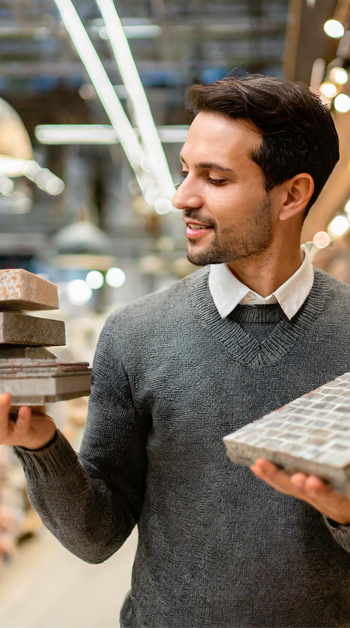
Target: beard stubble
x: 254, y: 238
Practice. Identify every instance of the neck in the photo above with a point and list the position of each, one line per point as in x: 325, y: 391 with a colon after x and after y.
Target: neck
x: 267, y: 272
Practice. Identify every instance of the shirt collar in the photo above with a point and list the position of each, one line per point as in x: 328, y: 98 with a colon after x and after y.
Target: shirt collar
x: 227, y: 291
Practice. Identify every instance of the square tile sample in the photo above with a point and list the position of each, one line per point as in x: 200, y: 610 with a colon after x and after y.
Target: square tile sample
x: 311, y: 434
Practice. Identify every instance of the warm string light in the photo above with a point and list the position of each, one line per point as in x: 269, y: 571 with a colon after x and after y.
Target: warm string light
x: 342, y: 103
x: 321, y: 239
x: 339, y: 75
x: 336, y: 75
x: 328, y: 89
x: 334, y: 29
x: 338, y: 226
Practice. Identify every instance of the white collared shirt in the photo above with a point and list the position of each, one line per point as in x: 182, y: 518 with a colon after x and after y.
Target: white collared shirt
x: 227, y: 291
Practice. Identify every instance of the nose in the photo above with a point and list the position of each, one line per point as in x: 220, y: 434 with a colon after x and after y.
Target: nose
x: 186, y: 197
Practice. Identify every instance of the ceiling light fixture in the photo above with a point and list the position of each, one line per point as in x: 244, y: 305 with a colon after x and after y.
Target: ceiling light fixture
x: 56, y: 134
x: 156, y: 157
x: 136, y: 31
x: 104, y: 89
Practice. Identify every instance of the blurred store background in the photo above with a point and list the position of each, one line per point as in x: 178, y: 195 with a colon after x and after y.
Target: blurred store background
x: 88, y: 161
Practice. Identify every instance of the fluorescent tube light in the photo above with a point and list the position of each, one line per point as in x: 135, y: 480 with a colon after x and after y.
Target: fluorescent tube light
x: 136, y: 31
x: 157, y: 160
x: 104, y: 88
x: 99, y: 134
x: 76, y: 134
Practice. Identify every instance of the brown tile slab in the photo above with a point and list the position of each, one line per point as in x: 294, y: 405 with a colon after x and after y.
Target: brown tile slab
x: 22, y: 290
x: 20, y: 329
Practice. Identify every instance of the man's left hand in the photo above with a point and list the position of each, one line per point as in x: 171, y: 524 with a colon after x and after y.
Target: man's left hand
x: 309, y: 488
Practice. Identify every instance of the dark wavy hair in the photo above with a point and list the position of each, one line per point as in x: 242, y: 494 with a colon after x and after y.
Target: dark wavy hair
x: 297, y: 128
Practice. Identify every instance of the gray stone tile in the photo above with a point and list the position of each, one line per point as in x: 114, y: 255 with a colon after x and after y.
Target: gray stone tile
x: 313, y: 431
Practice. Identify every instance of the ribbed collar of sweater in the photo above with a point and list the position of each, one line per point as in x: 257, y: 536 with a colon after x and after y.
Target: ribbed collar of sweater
x: 227, y: 291
x: 237, y: 341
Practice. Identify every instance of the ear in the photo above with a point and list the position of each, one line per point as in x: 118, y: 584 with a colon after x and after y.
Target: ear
x: 297, y: 193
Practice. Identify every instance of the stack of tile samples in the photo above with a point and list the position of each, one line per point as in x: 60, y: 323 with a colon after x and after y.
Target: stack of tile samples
x: 310, y: 435
x: 32, y: 374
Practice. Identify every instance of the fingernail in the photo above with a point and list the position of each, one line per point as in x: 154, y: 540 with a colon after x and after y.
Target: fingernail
x: 5, y: 399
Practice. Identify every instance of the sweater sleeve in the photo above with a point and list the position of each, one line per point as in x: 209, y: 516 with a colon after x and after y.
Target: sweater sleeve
x: 92, y: 500
x: 340, y: 533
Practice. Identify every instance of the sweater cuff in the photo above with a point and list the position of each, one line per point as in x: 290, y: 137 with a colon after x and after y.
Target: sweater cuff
x: 51, y: 461
x: 42, y: 448
x: 340, y: 533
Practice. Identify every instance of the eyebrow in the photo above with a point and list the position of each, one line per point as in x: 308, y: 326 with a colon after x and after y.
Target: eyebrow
x: 210, y: 165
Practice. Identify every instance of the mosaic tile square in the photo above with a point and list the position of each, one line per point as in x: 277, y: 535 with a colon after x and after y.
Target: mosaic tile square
x: 310, y: 434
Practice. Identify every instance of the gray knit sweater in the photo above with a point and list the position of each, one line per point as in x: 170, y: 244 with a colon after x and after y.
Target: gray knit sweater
x: 217, y: 546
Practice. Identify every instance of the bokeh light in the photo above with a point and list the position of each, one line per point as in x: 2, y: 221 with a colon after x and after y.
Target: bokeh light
x: 333, y: 28
x: 338, y: 226
x: 95, y: 279
x: 79, y: 292
x: 328, y: 89
x: 115, y: 277
x: 339, y: 75
x: 342, y: 103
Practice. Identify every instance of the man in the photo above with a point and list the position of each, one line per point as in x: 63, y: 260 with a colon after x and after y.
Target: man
x: 176, y: 371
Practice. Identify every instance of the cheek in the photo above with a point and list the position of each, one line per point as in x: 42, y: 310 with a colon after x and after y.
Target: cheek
x: 234, y: 203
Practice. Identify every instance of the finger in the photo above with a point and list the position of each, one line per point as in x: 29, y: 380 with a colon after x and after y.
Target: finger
x: 311, y: 489
x: 299, y: 480
x: 5, y: 405
x: 264, y: 466
x: 317, y: 486
x: 24, y: 413
x: 280, y: 480
x: 23, y: 422
x: 326, y: 499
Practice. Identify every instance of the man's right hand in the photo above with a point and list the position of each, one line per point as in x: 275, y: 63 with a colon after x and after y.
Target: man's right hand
x: 33, y: 429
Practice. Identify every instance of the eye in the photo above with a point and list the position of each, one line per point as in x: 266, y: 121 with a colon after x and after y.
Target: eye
x: 217, y: 181
x: 184, y: 173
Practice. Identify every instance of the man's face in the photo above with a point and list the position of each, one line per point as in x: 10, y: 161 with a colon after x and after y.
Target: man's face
x: 223, y: 191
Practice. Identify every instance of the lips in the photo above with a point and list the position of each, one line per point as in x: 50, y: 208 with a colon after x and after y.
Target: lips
x: 197, y: 230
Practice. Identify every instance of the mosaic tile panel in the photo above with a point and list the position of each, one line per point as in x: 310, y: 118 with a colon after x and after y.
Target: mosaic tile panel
x: 311, y: 434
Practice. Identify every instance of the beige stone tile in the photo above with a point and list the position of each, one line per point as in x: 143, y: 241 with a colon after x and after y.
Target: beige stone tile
x: 21, y: 290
